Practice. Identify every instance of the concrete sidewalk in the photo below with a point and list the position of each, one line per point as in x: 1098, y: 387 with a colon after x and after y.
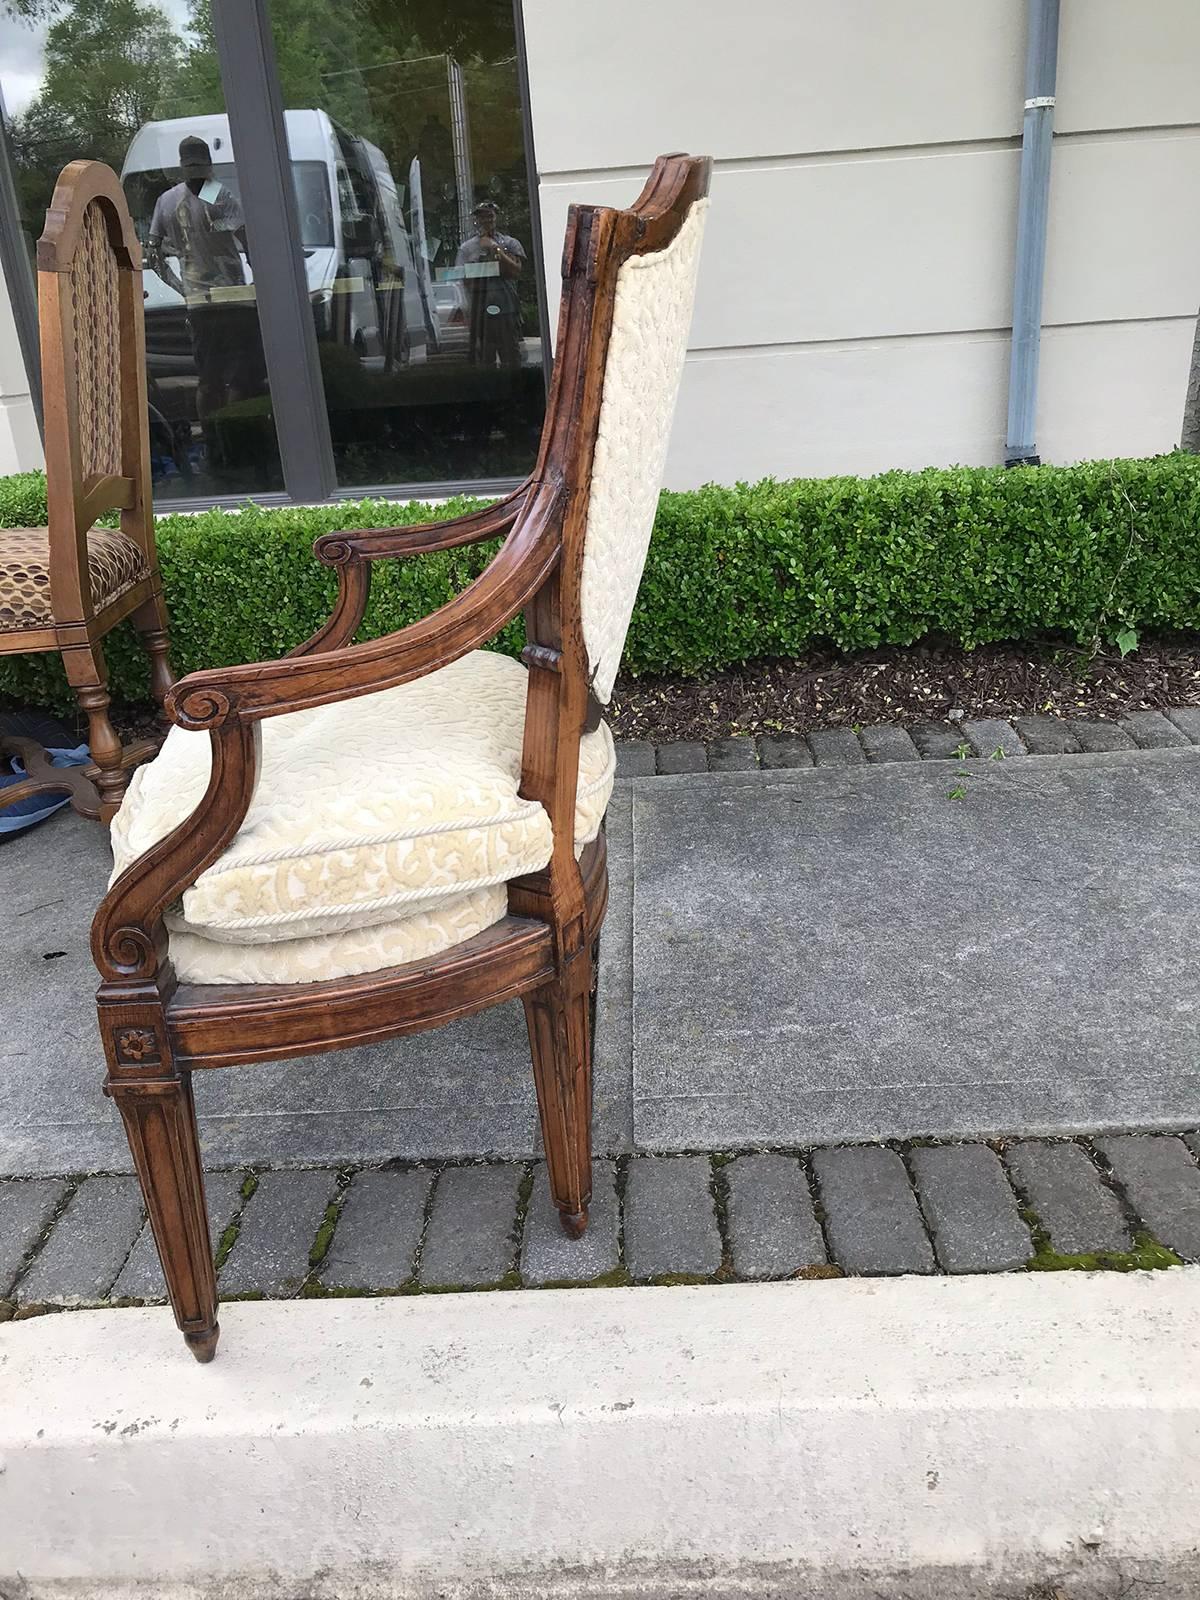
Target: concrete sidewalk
x: 874, y: 945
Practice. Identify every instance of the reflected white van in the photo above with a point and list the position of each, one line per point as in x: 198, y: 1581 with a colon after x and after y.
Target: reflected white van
x: 366, y: 289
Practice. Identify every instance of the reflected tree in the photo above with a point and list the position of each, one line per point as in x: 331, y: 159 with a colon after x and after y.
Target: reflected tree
x: 108, y: 64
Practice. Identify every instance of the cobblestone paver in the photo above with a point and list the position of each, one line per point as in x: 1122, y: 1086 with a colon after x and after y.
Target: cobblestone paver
x: 732, y: 755
x: 141, y: 1277
x: 1036, y: 735
x: 1162, y: 1181
x: 773, y: 1229
x: 1187, y: 720
x: 378, y: 1231
x: 939, y: 741
x: 991, y: 735
x: 1152, y: 731
x: 975, y: 738
x: 871, y: 1215
x: 26, y: 1206
x: 655, y: 1218
x: 79, y: 1262
x: 635, y: 758
x: 836, y: 747
x: 1046, y: 736
x: 1097, y: 737
x: 886, y: 742
x: 549, y: 1256
x: 685, y: 756
x: 670, y: 1220
x: 786, y: 751
x: 1080, y: 1215
x: 970, y: 1208
x: 278, y: 1229
x: 469, y: 1242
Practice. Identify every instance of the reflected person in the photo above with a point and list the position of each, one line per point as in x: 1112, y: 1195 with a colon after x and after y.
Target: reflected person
x: 199, y: 223
x: 498, y: 261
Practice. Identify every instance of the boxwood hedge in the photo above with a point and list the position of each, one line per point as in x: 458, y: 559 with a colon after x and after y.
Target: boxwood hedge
x: 971, y: 554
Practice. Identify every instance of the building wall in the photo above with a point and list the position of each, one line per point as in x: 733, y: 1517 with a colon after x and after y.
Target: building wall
x: 855, y: 298
x: 20, y: 444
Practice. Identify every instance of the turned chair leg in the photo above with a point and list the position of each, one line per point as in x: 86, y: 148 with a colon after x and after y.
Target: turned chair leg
x: 88, y: 676
x: 150, y: 620
x: 560, y: 1040
x: 160, y: 1122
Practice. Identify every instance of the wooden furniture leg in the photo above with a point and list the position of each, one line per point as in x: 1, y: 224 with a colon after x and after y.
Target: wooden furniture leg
x: 88, y: 676
x: 150, y: 620
x: 160, y: 1123
x: 558, y: 1017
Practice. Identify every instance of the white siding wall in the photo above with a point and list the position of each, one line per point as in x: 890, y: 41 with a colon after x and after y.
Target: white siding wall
x: 856, y: 288
x: 20, y: 446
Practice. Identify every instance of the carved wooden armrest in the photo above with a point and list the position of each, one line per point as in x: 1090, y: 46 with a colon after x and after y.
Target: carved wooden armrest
x: 353, y: 549
x: 375, y: 544
x: 128, y: 938
x: 207, y: 699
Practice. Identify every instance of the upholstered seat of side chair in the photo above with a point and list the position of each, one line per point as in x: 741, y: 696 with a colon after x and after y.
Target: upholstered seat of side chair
x: 383, y: 829
x: 115, y: 565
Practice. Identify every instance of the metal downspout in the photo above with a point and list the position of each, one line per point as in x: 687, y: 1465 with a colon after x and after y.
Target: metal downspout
x: 1041, y: 66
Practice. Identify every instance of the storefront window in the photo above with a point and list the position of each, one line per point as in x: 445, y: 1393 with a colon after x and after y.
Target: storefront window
x: 406, y: 153
x: 426, y: 299
x: 126, y: 83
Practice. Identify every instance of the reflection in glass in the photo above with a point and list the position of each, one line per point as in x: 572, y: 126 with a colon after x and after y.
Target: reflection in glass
x: 405, y: 135
x: 425, y: 302
x: 136, y: 85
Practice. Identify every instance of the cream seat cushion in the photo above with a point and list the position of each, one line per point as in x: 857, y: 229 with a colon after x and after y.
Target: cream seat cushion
x: 383, y: 829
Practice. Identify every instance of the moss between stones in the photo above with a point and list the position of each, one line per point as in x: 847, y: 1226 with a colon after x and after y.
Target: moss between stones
x: 229, y: 1238
x: 616, y: 1278
x: 677, y: 1280
x: 1147, y: 1255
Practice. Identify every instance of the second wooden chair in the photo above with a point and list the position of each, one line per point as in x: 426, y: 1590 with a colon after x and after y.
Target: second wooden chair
x: 65, y: 586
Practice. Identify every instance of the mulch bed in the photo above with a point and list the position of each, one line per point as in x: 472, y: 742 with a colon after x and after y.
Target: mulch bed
x: 907, y: 685
x: 901, y: 684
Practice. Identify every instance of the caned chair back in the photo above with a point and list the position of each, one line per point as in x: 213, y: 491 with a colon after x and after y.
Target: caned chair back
x: 93, y: 366
x: 640, y: 266
x: 96, y: 328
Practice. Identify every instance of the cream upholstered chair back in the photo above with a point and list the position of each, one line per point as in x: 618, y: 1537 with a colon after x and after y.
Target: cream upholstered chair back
x: 652, y: 313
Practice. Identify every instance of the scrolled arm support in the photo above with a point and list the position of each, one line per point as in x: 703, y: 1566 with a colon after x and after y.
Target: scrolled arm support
x: 352, y: 550
x: 354, y: 589
x: 350, y: 545
x: 272, y: 688
x: 128, y: 937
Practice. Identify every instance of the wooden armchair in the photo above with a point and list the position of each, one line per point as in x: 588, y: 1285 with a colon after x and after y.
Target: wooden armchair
x: 65, y: 586
x: 293, y: 879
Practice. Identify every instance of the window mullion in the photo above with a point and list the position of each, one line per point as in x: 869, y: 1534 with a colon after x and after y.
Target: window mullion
x: 255, y: 106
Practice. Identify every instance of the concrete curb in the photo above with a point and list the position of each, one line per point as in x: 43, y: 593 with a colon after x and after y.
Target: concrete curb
x: 934, y: 1436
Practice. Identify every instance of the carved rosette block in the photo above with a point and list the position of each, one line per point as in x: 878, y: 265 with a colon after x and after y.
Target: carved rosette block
x: 136, y: 1047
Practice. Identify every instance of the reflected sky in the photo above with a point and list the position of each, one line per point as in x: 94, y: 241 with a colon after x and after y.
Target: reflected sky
x: 21, y: 54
